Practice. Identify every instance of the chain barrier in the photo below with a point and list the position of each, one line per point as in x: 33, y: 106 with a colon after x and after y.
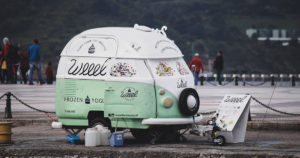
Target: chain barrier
x: 255, y: 85
x: 268, y: 107
x: 33, y: 108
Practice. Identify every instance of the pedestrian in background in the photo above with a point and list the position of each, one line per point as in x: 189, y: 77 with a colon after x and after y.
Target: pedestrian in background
x: 218, y: 66
x: 49, y: 73
x: 8, y: 63
x: 24, y: 63
x: 1, y: 57
x: 196, y: 65
x: 34, y: 55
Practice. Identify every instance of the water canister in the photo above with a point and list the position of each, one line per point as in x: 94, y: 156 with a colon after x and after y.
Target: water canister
x: 105, y: 136
x: 92, y: 137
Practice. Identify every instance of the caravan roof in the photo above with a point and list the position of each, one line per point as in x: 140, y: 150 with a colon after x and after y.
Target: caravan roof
x: 139, y: 42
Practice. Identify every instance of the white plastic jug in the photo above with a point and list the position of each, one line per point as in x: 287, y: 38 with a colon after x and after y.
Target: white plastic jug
x: 105, y: 136
x: 92, y: 137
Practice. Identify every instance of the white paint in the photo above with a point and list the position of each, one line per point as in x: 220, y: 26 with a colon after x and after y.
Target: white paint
x: 171, y: 121
x: 191, y: 101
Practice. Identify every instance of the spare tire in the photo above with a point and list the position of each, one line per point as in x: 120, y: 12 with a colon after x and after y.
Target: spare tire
x: 189, y: 102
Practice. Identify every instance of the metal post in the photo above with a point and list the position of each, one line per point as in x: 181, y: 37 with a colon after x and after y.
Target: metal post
x: 201, y: 80
x: 272, y: 80
x: 293, y: 81
x: 236, y: 80
x: 8, y: 106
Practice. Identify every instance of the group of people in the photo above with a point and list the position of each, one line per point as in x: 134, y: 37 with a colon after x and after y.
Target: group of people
x: 14, y: 59
x: 196, y: 66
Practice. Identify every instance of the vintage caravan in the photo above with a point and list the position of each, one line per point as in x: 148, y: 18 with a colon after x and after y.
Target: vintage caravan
x: 133, y: 78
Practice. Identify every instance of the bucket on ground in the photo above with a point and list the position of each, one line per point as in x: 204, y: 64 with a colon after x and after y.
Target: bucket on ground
x: 5, y: 132
x: 116, y: 139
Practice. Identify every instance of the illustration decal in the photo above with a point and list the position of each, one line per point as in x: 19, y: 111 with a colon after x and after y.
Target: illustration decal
x: 87, y: 100
x: 122, y: 70
x: 181, y: 83
x: 163, y: 70
x: 92, y: 49
x: 129, y: 93
x: 87, y: 69
x: 181, y: 69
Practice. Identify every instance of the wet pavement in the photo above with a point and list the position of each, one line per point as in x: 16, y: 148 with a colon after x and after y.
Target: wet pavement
x: 258, y: 143
x: 33, y: 136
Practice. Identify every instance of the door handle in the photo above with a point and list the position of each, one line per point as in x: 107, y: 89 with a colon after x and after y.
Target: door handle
x: 109, y: 89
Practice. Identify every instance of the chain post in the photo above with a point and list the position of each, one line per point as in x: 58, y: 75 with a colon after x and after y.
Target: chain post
x: 236, y: 80
x: 272, y: 80
x: 8, y: 106
x: 293, y: 81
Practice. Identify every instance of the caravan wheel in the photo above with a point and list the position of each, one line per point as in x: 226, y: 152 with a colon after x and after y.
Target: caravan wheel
x: 189, y: 102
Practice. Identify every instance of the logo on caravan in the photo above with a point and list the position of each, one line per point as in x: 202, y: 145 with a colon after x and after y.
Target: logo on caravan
x: 87, y: 68
x: 129, y: 93
x: 91, y: 49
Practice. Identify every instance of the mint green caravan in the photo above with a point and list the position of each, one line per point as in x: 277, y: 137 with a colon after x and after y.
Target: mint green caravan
x: 133, y: 78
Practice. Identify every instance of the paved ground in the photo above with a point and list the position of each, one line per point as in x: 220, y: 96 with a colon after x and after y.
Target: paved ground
x: 44, y: 141
x: 39, y: 139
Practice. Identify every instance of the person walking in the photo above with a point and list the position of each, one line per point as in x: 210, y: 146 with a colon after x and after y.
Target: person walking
x: 49, y: 73
x: 196, y: 65
x: 34, y: 55
x: 1, y: 72
x: 8, y: 62
x: 24, y: 63
x: 218, y: 66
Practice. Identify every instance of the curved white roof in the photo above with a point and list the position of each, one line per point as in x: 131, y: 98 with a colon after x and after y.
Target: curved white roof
x: 123, y: 42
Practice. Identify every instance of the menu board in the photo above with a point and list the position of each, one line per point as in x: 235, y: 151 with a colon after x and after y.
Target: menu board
x: 230, y: 110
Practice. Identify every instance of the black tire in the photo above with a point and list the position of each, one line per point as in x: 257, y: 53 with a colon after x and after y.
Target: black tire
x: 183, y: 105
x: 143, y: 135
x: 221, y: 141
x: 100, y: 121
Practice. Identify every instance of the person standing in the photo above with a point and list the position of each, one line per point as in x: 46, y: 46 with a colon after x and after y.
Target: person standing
x: 49, y: 73
x: 34, y: 55
x: 1, y: 71
x: 24, y: 63
x: 196, y: 65
x: 7, y: 59
x: 218, y: 66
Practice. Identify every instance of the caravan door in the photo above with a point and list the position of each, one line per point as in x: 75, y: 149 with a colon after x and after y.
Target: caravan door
x: 129, y: 91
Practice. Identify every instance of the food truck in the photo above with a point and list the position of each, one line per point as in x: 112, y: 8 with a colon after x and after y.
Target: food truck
x: 125, y: 77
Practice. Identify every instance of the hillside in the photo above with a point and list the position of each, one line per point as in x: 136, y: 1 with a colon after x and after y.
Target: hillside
x: 210, y: 25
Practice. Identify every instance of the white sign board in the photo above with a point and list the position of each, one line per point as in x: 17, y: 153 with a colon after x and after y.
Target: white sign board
x: 233, y: 116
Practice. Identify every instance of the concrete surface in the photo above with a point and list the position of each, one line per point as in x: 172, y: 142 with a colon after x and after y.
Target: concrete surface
x: 42, y: 141
x: 269, y: 135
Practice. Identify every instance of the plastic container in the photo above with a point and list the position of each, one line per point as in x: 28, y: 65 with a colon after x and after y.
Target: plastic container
x: 116, y: 139
x: 104, y: 136
x: 92, y: 137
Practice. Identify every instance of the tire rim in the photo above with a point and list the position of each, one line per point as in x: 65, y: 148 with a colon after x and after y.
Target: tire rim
x: 191, y: 102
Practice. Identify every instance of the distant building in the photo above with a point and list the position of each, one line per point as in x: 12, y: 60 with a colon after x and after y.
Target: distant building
x: 250, y: 32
